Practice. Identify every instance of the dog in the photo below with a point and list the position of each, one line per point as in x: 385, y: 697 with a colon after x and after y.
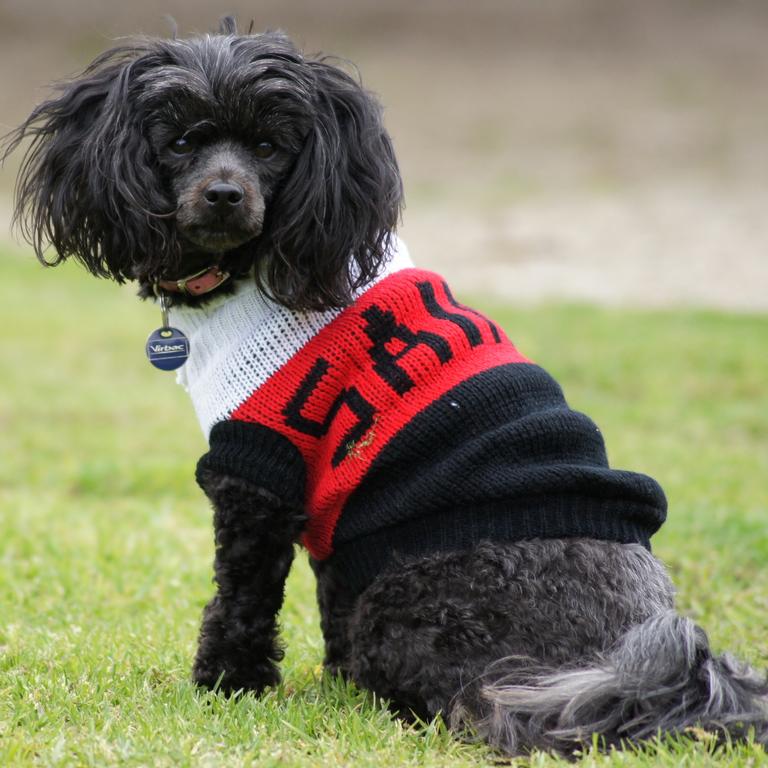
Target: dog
x: 476, y: 557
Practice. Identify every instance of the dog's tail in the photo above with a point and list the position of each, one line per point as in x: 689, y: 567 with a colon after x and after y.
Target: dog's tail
x: 660, y: 677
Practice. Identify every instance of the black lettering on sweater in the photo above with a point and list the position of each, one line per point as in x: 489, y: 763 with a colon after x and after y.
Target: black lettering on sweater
x: 292, y: 412
x: 350, y: 397
x: 382, y: 328
x: 494, y: 330
x: 470, y: 330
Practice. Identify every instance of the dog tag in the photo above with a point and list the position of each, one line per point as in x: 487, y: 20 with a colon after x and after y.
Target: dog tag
x: 167, y: 348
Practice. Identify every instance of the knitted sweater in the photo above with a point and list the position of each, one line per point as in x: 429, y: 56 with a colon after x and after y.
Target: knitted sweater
x: 405, y: 423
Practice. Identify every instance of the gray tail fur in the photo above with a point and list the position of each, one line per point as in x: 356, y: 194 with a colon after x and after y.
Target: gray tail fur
x: 660, y: 677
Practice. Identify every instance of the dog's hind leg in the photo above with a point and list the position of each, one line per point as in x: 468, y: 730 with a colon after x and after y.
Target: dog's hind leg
x: 255, y: 533
x: 614, y: 659
x: 433, y: 627
x: 426, y: 626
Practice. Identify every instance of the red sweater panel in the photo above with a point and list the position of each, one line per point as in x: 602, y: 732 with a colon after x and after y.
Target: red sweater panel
x: 344, y: 395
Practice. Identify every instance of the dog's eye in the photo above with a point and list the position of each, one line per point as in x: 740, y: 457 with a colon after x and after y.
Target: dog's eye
x: 264, y: 149
x: 181, y: 146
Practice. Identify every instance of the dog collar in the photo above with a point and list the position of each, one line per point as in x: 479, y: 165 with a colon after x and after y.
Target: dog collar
x: 204, y: 281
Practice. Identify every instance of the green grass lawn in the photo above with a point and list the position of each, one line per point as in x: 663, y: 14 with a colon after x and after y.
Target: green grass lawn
x: 105, y: 542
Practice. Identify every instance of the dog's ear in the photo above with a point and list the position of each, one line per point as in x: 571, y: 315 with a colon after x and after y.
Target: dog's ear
x: 87, y: 184
x: 332, y: 220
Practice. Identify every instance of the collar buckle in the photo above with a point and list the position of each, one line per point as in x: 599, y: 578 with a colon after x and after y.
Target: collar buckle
x: 197, y: 284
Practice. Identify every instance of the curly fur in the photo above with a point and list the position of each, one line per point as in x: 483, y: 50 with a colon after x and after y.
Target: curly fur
x: 658, y: 677
x: 254, y: 535
x: 535, y: 644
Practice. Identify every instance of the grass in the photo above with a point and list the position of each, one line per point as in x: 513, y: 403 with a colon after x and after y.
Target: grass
x: 105, y: 543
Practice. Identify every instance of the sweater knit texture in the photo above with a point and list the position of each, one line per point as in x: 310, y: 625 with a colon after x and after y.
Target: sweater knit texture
x: 404, y: 424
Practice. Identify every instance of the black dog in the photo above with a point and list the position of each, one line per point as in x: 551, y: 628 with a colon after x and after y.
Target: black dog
x: 475, y: 554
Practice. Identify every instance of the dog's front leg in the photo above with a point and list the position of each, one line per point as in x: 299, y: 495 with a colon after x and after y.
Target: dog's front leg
x: 255, y: 533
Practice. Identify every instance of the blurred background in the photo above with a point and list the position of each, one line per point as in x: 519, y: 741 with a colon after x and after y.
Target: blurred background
x: 613, y: 151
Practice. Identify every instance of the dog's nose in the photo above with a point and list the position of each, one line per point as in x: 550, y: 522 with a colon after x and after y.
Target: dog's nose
x: 223, y: 196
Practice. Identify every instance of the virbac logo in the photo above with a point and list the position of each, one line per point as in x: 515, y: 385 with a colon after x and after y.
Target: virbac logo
x: 166, y: 349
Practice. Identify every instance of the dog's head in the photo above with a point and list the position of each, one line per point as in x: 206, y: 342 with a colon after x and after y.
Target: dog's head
x: 167, y: 156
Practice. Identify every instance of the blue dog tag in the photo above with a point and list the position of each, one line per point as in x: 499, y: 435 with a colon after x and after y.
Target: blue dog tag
x: 167, y: 348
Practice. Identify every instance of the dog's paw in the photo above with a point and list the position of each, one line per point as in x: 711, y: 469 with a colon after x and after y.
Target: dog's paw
x: 217, y: 677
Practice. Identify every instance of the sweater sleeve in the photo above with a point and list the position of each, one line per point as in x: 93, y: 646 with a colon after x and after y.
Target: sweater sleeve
x: 258, y: 454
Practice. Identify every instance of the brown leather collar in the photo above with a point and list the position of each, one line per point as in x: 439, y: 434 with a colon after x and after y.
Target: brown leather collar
x: 204, y: 281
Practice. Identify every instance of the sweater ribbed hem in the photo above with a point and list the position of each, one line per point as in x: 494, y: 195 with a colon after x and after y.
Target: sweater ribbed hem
x: 257, y: 454
x: 360, y: 561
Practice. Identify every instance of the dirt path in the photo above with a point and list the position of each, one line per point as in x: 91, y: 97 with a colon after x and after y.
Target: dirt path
x: 659, y: 247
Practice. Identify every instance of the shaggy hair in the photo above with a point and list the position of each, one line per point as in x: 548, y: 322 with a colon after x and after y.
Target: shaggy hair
x: 100, y: 183
x: 166, y: 154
